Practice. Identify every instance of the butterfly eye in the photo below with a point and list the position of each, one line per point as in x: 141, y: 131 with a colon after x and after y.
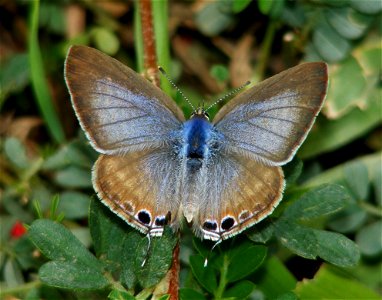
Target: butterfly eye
x: 144, y: 217
x: 207, y: 115
x: 227, y: 223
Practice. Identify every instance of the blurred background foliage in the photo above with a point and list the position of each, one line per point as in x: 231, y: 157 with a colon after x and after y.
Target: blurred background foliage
x: 208, y: 48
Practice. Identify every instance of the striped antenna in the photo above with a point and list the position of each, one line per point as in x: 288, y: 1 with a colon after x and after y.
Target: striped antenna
x: 234, y: 91
x: 175, y: 86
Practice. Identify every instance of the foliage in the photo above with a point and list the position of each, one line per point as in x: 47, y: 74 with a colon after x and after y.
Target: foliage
x: 331, y: 214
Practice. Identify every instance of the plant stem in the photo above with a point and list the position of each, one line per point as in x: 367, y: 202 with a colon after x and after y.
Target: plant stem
x: 149, y: 48
x: 223, y: 279
x: 19, y: 289
x: 161, y: 30
x: 265, y: 50
x: 371, y: 209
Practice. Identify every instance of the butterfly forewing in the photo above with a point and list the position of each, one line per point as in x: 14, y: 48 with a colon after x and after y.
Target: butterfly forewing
x: 118, y: 109
x: 270, y: 121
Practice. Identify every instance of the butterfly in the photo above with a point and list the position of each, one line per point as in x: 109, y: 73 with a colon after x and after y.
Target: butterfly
x: 156, y: 168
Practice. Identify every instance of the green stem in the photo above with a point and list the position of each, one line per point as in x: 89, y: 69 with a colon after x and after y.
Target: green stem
x: 371, y: 209
x: 265, y: 50
x: 39, y: 84
x: 161, y: 31
x: 223, y: 279
x: 19, y: 289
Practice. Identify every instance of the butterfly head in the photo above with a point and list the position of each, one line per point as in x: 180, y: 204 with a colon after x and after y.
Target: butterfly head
x: 200, y: 113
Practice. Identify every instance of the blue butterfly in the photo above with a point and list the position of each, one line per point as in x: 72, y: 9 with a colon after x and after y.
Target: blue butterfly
x: 156, y: 168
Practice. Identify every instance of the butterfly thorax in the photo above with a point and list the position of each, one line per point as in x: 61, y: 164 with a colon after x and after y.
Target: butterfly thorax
x: 197, y: 134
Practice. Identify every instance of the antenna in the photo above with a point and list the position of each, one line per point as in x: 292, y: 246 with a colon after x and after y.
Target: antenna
x: 234, y: 91
x: 174, y: 85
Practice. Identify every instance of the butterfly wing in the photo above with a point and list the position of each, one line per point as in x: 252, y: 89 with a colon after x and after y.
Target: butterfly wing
x: 270, y: 121
x: 240, y: 193
x: 119, y: 110
x: 260, y: 130
x: 141, y: 187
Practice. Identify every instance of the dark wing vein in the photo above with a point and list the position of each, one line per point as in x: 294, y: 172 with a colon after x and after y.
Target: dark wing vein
x: 121, y: 121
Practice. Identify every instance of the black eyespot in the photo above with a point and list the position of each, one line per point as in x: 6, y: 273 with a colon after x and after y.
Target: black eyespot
x: 160, y: 221
x: 208, y: 225
x: 144, y: 217
x: 227, y: 223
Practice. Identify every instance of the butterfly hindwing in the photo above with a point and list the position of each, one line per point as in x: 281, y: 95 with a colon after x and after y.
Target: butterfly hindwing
x: 240, y: 193
x: 141, y: 187
x: 269, y: 121
x: 119, y: 110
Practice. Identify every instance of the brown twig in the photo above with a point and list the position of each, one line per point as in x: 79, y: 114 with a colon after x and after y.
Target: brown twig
x: 150, y: 59
x: 173, y: 288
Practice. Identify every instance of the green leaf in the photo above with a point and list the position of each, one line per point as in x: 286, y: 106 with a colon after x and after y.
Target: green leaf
x: 287, y: 296
x: 129, y: 272
x: 120, y: 295
x: 330, y: 135
x: 321, y: 201
x: 336, y: 248
x: 261, y: 233
x: 346, y: 86
x: 15, y: 151
x: 239, y: 5
x: 72, y: 275
x: 205, y: 275
x: 328, y: 285
x: 245, y: 261
x: 377, y: 179
x: 187, y: 294
x: 75, y: 153
x: 74, y: 205
x: 157, y: 257
x: 213, y: 18
x: 298, y: 239
x: 14, y: 75
x: 274, y: 279
x: 272, y: 8
x: 74, y: 177
x: 367, y: 7
x: 330, y: 45
x: 348, y: 220
x: 57, y: 243
x: 12, y: 273
x: 220, y: 72
x: 310, y: 243
x: 240, y: 290
x: 347, y: 22
x: 357, y: 179
x: 114, y: 242
x: 292, y: 171
x: 265, y: 6
x: 369, y: 239
x: 105, y: 40
x: 336, y: 174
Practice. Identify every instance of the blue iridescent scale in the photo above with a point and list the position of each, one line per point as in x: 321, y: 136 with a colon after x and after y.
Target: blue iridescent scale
x: 198, y: 137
